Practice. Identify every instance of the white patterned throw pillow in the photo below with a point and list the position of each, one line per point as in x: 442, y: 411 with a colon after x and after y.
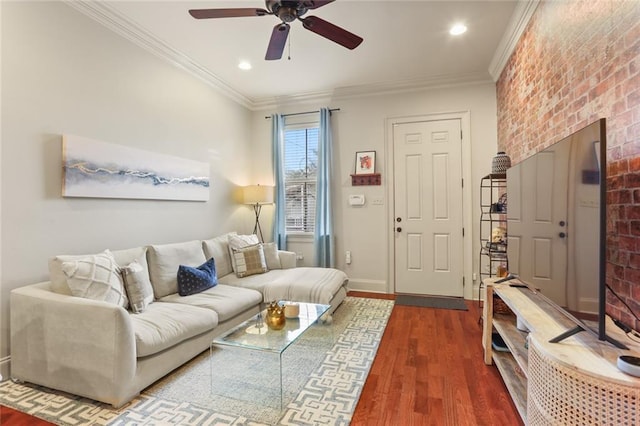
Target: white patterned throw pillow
x: 96, y: 277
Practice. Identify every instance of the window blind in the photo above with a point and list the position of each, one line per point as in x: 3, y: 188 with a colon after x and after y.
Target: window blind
x: 300, y: 168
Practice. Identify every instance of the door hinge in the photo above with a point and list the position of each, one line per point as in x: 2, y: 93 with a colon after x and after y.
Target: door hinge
x: 460, y: 134
x: 463, y: 282
x: 462, y: 182
x: 463, y: 232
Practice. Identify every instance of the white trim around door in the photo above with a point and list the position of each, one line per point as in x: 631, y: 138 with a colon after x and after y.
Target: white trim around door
x: 467, y: 193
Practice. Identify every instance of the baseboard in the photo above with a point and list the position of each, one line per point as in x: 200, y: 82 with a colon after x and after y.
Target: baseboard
x: 5, y: 368
x: 372, y: 286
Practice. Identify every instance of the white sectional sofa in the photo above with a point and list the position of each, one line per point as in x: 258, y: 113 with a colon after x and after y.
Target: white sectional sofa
x: 106, y: 352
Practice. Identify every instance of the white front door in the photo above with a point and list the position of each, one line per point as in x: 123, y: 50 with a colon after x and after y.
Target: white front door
x: 536, y: 250
x: 428, y: 207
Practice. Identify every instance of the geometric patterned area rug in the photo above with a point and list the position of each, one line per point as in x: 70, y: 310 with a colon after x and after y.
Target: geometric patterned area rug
x: 323, y: 375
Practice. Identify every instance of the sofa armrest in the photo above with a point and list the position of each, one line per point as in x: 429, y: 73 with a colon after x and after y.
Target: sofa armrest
x: 77, y: 345
x: 287, y: 259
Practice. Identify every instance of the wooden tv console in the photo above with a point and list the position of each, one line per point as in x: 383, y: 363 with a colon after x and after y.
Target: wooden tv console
x: 573, y: 382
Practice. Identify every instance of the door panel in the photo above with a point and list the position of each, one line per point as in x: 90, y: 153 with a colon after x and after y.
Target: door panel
x: 542, y: 258
x: 441, y: 189
x: 414, y: 251
x: 441, y: 253
x: 413, y: 167
x: 428, y: 201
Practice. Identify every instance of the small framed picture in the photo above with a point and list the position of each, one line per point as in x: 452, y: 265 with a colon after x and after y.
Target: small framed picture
x: 365, y: 162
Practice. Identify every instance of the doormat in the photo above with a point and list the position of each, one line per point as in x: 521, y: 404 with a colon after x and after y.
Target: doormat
x: 456, y: 303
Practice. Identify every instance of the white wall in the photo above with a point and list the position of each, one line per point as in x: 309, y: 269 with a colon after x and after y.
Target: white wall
x: 360, y: 126
x: 64, y: 73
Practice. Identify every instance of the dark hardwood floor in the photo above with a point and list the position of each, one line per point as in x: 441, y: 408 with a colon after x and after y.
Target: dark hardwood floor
x: 11, y: 417
x: 429, y: 370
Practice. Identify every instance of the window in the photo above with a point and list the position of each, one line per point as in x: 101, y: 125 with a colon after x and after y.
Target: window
x: 300, y: 172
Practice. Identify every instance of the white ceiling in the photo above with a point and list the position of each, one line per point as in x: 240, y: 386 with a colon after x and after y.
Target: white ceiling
x: 406, y: 45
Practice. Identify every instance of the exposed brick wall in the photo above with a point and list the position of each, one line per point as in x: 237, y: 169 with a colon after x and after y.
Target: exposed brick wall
x: 576, y: 62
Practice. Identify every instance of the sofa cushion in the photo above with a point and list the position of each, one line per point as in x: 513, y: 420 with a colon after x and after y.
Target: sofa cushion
x: 238, y: 242
x: 311, y: 285
x: 272, y: 256
x: 227, y: 301
x: 253, y: 282
x: 163, y: 325
x: 164, y: 261
x: 194, y: 280
x: 137, y: 285
x: 218, y: 248
x: 96, y: 277
x: 249, y: 260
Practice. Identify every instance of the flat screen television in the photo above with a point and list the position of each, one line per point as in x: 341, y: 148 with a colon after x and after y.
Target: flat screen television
x: 556, y: 226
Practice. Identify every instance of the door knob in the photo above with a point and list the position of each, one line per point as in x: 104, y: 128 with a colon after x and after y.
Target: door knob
x: 562, y: 223
x: 399, y: 229
x: 398, y: 219
x: 562, y: 235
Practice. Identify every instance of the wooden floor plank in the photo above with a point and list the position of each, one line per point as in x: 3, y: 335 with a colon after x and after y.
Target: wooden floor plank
x: 437, y: 356
x: 11, y: 417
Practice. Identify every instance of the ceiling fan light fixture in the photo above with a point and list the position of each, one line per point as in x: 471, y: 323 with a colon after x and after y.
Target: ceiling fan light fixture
x: 458, y: 29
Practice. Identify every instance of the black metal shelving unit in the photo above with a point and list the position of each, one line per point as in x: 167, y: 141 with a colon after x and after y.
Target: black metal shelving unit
x: 493, y: 214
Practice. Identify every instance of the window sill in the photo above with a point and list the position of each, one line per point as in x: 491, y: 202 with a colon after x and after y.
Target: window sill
x: 299, y: 237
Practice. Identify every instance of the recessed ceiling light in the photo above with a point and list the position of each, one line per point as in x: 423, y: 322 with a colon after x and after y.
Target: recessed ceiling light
x: 244, y: 65
x: 458, y: 29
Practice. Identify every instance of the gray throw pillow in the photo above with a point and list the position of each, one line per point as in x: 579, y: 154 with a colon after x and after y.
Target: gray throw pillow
x: 271, y: 255
x: 138, y: 286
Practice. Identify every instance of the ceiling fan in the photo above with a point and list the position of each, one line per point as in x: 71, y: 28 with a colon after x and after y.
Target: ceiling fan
x: 287, y: 11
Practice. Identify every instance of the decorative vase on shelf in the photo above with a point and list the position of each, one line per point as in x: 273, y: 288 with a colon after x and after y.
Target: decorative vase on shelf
x: 501, y: 162
x: 275, y: 316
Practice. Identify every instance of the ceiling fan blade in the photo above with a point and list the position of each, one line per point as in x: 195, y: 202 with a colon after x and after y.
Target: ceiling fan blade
x: 332, y: 32
x: 227, y: 13
x: 314, y: 4
x: 277, y: 42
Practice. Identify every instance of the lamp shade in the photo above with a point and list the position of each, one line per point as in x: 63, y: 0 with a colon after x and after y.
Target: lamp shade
x: 258, y: 194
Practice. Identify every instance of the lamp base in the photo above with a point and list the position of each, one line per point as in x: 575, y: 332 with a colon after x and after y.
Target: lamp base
x: 257, y: 207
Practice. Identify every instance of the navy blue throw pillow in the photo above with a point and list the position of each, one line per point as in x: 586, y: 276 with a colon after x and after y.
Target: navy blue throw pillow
x: 194, y: 280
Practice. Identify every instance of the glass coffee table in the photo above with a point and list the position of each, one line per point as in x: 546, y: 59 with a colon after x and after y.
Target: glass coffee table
x: 255, y: 335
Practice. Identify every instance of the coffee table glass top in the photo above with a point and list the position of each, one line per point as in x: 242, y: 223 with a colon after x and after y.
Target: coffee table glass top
x: 255, y: 334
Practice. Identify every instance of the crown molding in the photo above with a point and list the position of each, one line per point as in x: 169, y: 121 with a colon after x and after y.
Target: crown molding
x: 519, y: 20
x: 125, y: 27
x: 397, y: 87
x: 374, y: 89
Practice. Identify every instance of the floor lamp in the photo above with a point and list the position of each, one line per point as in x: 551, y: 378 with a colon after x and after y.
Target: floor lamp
x: 257, y: 195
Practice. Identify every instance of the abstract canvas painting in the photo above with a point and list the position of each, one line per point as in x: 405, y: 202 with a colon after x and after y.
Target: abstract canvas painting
x: 104, y: 170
